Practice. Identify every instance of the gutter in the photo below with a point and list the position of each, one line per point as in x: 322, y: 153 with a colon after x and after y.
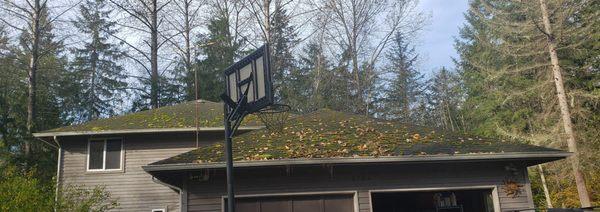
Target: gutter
x: 388, y: 159
x: 46, y: 142
x: 133, y: 131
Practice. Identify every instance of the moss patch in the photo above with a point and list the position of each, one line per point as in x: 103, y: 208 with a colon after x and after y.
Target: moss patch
x: 331, y: 134
x: 210, y: 114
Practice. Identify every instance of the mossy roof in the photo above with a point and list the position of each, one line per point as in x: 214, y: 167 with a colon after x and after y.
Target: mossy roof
x: 210, y: 114
x: 332, y: 134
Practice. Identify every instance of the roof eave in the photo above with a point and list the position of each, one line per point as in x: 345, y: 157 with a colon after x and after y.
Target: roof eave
x: 138, y: 131
x: 544, y: 156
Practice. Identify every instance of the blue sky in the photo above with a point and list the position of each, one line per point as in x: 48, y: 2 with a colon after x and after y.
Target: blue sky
x: 435, y: 44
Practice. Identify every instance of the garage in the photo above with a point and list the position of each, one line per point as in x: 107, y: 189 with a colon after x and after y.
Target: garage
x: 472, y: 200
x: 296, y: 203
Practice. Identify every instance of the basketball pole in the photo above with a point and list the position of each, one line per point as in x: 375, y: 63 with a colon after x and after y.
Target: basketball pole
x: 229, y: 152
x: 234, y: 116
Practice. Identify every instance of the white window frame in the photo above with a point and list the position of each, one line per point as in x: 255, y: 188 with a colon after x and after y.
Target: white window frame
x: 121, y: 159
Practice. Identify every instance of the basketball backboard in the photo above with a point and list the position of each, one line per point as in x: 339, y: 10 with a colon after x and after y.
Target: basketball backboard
x: 248, y: 90
x: 251, y: 74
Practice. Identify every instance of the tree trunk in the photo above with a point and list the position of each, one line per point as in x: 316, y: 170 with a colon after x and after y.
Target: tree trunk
x: 154, y: 86
x: 188, y: 49
x: 449, y: 116
x: 93, y: 66
x: 267, y: 21
x: 316, y: 102
x: 94, y: 59
x: 33, y: 68
x: 545, y: 186
x: 187, y: 35
x: 564, y: 109
x: 358, y: 101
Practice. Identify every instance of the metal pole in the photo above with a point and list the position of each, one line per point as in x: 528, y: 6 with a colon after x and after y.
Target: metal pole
x: 229, y: 153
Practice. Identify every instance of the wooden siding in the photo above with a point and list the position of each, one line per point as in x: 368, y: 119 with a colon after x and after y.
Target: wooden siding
x: 132, y: 187
x: 207, y: 196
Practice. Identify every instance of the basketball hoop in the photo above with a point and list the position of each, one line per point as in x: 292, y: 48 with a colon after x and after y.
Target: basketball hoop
x: 274, y: 116
x: 249, y: 89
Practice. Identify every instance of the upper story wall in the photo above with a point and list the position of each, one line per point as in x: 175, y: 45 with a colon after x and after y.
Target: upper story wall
x: 132, y: 187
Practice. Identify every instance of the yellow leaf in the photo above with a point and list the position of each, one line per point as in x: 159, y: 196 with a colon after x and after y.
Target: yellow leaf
x: 416, y: 136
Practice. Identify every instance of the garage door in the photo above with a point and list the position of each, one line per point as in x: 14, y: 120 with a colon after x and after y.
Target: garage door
x: 304, y: 203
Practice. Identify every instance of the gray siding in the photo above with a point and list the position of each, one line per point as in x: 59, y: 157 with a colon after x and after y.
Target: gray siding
x: 206, y: 196
x: 132, y: 187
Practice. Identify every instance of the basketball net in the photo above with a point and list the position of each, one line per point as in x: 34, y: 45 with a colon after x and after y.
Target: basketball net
x: 274, y: 117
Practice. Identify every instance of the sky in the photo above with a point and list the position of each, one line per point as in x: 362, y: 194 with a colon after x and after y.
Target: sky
x: 435, y: 44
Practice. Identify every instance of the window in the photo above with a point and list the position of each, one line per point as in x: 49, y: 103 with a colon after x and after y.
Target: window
x: 104, y: 154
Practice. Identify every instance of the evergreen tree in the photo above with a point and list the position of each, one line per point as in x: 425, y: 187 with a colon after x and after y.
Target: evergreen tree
x: 95, y: 63
x: 282, y: 39
x: 338, y: 86
x: 52, y: 88
x: 510, y: 62
x: 52, y: 83
x: 444, y: 100
x: 405, y: 89
x: 169, y: 91
x: 12, y: 91
x: 219, y: 50
x: 304, y: 91
x: 479, y: 57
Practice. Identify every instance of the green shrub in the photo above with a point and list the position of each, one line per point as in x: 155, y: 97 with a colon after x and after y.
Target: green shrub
x: 23, y: 192
x: 80, y: 198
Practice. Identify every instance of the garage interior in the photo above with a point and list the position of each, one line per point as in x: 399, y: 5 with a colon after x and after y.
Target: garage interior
x: 434, y: 201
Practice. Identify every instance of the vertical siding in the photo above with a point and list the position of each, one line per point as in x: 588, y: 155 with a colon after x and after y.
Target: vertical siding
x: 206, y: 196
x: 132, y: 187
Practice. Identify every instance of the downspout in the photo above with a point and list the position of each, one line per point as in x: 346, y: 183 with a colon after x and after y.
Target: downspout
x: 58, y: 163
x: 181, y: 195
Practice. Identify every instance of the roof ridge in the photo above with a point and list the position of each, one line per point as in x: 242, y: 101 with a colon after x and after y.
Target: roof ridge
x: 180, y: 115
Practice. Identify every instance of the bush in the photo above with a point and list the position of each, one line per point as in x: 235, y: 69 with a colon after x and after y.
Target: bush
x: 23, y: 192
x: 80, y: 198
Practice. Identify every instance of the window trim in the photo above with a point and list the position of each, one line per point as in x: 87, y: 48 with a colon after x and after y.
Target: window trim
x: 121, y: 161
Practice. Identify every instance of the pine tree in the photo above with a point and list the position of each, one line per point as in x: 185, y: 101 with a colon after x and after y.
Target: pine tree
x: 219, y: 50
x: 406, y: 87
x: 95, y: 63
x: 52, y: 83
x: 513, y: 57
x: 479, y: 57
x: 12, y: 90
x: 305, y: 83
x: 444, y: 99
x: 338, y: 85
x: 282, y: 39
x: 52, y: 86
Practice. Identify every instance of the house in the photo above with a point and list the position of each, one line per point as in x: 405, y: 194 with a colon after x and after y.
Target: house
x: 166, y: 160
